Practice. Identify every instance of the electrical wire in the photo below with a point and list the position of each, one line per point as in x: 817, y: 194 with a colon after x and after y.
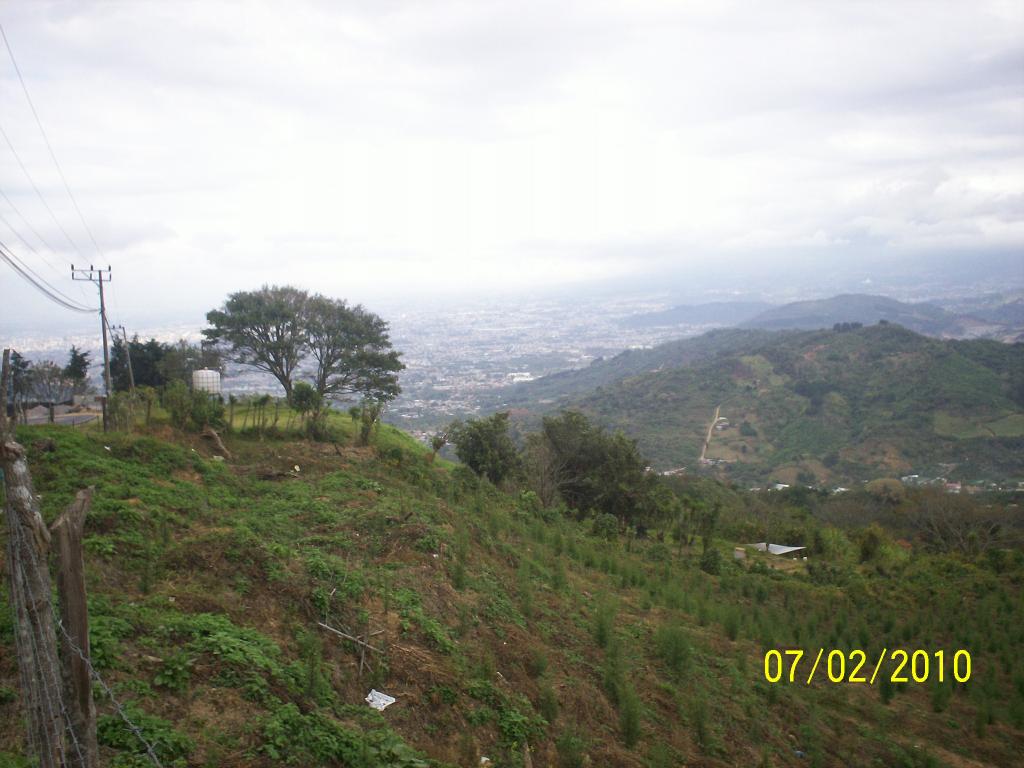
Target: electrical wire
x: 39, y: 277
x: 39, y: 194
x: 28, y: 224
x: 31, y: 248
x: 46, y: 139
x: 41, y: 285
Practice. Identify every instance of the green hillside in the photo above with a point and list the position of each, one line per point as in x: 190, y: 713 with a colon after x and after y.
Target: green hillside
x: 829, y: 406
x: 632, y: 362
x: 500, y: 623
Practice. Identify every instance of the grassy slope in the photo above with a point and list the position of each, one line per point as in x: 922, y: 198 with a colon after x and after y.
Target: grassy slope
x: 501, y: 624
x: 890, y: 401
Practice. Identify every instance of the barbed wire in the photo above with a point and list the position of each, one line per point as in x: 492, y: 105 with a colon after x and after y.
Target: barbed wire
x: 54, y: 689
x: 51, y: 690
x: 150, y: 751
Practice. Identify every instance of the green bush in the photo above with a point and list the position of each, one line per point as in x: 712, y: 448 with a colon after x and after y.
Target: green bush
x: 168, y: 744
x: 571, y: 750
x: 672, y: 644
x: 604, y: 621
x: 537, y: 663
x: 174, y: 672
x: 629, y: 714
x: 606, y: 526
x: 547, y: 703
x: 297, y: 739
x: 178, y: 401
x: 711, y: 562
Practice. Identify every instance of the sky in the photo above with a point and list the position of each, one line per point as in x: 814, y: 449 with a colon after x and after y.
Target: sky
x: 398, y: 150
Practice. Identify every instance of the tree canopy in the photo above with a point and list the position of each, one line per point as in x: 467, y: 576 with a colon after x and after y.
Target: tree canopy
x: 277, y: 329
x: 352, y: 350
x: 156, y: 363
x: 77, y: 369
x: 263, y: 329
x: 593, y: 470
x: 484, y: 445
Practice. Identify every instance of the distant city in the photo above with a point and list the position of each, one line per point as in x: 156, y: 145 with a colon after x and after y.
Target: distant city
x: 457, y: 355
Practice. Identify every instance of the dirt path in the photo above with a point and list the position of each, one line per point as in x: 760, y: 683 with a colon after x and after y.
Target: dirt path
x: 711, y: 427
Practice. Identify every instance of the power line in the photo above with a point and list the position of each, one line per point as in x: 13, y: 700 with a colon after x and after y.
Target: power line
x: 39, y: 277
x: 31, y: 248
x: 26, y: 222
x: 40, y: 284
x: 46, y: 139
x: 35, y: 232
x: 42, y: 199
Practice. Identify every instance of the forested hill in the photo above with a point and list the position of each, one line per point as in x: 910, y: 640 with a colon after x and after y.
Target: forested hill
x: 868, y: 310
x: 604, y: 371
x: 823, y: 406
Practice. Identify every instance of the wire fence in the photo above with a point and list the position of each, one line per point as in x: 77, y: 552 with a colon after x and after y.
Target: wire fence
x: 43, y: 690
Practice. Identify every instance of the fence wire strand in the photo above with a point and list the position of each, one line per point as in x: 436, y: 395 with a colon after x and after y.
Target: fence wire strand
x: 51, y: 691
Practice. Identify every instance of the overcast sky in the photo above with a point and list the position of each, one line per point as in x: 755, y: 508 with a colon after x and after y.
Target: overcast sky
x: 400, y: 148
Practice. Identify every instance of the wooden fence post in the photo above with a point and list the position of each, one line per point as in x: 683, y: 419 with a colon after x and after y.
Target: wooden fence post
x: 36, y: 641
x: 74, y: 613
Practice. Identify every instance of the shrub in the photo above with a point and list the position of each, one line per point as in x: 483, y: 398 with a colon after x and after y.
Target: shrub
x: 571, y: 750
x: 178, y: 402
x: 169, y: 745
x: 606, y: 526
x: 604, y: 622
x: 537, y: 664
x: 547, y: 704
x: 711, y: 562
x: 673, y: 646
x: 174, y: 673
x: 207, y: 411
x: 629, y: 714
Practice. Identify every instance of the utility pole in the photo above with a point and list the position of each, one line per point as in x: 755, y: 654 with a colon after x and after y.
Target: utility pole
x: 128, y: 354
x: 94, y: 275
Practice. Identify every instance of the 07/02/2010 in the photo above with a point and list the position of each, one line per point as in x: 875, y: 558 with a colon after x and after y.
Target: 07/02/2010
x: 846, y: 666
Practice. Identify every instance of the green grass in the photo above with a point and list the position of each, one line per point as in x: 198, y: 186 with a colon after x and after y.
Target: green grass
x: 503, y: 623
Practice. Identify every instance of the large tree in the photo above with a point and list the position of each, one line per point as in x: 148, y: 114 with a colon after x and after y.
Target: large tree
x: 352, y: 350
x: 21, y: 380
x: 263, y: 329
x: 593, y: 470
x: 77, y: 369
x: 49, y: 383
x: 484, y: 445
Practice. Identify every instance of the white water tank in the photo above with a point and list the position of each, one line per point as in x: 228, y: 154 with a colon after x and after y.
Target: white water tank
x: 205, y: 380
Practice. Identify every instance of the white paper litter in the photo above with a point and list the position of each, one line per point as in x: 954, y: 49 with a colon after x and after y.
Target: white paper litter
x: 379, y: 701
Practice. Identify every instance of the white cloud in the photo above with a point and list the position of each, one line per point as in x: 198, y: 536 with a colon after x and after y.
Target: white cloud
x: 408, y: 147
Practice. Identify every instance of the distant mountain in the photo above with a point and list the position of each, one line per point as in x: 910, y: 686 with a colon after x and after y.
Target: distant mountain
x: 1004, y: 308
x: 717, y: 313
x: 985, y: 317
x: 828, y: 406
x: 867, y: 310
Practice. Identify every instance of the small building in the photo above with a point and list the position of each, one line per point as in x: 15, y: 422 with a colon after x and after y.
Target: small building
x: 782, y: 550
